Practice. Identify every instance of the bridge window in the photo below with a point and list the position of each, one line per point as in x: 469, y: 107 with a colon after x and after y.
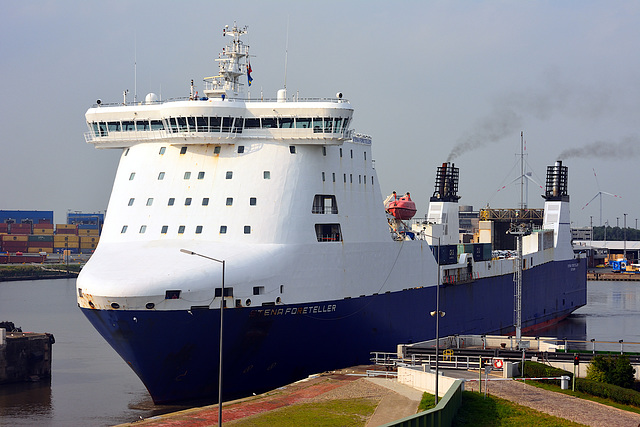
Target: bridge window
x: 286, y: 122
x: 303, y: 123
x: 113, y: 126
x: 214, y: 124
x: 173, y: 125
x: 328, y: 233
x: 128, y: 126
x: 203, y: 124
x: 142, y: 125
x: 157, y: 125
x: 226, y: 124
x: 317, y: 125
x: 338, y: 124
x: 191, y: 122
x: 324, y: 204
x: 182, y: 124
x: 269, y: 122
x: 252, y: 123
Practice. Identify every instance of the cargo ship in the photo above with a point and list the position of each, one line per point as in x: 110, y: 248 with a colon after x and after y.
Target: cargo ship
x: 271, y: 208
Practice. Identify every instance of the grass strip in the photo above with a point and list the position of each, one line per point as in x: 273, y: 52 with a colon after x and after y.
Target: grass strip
x: 479, y: 412
x: 332, y: 413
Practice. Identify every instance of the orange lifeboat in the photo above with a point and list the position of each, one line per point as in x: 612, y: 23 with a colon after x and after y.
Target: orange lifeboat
x: 402, y: 208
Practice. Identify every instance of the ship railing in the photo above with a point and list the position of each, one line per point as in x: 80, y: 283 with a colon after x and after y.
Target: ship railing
x: 294, y: 98
x: 275, y: 134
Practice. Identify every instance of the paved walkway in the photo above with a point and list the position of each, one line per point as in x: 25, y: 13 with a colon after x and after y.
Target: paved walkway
x: 559, y: 405
x: 401, y: 402
x: 395, y: 401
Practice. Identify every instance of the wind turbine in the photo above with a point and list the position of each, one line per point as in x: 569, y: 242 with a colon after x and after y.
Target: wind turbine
x: 599, y: 194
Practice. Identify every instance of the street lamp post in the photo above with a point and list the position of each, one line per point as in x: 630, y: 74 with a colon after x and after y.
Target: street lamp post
x: 221, y: 329
x: 437, y: 314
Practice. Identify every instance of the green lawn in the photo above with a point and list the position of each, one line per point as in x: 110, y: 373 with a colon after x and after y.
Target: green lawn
x: 332, y: 413
x: 478, y: 412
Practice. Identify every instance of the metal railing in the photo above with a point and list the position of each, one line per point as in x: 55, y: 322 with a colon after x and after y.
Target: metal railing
x: 275, y: 133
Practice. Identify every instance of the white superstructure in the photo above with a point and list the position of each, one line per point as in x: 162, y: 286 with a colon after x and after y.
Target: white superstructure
x: 282, y: 190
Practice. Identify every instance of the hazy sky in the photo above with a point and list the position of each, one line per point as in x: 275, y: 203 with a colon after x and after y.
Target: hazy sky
x: 429, y: 80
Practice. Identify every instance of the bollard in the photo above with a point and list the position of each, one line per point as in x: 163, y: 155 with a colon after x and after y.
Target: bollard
x: 564, y: 382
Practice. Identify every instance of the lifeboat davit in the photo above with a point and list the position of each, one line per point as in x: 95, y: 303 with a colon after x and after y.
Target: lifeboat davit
x: 402, y: 208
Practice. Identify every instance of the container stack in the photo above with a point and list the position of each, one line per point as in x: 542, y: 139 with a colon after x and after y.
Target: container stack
x: 66, y: 239
x: 25, y: 235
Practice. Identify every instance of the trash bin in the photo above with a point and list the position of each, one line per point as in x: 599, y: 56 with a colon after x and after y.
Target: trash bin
x: 564, y: 383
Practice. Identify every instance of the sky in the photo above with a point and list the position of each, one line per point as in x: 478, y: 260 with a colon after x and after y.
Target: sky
x: 430, y: 81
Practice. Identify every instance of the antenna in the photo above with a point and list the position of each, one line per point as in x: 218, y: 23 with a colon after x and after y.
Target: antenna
x: 135, y: 67
x: 522, y: 170
x: 286, y: 54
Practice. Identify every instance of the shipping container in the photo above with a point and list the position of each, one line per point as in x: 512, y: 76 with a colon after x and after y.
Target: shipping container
x: 43, y: 244
x: 88, y: 245
x: 38, y: 250
x: 448, y: 254
x: 67, y: 231
x: 44, y: 226
x: 20, y: 228
x: 40, y: 238
x: 89, y: 239
x: 15, y: 246
x: 481, y: 251
x: 66, y: 238
x: 46, y: 231
x: 15, y: 238
x: 66, y: 226
x: 22, y: 259
x: 88, y: 232
x: 4, y: 227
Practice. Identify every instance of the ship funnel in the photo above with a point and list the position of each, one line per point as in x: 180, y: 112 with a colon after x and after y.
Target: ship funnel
x: 446, y: 189
x: 556, y: 185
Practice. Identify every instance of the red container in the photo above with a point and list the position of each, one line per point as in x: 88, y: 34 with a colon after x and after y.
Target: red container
x: 20, y: 228
x: 36, y: 244
x: 44, y: 225
x: 4, y: 227
x: 45, y: 221
x: 73, y: 231
x: 14, y: 246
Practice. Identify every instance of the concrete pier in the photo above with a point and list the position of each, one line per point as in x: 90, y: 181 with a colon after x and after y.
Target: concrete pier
x: 24, y: 356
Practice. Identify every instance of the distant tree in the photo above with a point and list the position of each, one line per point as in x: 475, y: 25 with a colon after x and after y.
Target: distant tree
x: 612, y: 370
x: 616, y: 233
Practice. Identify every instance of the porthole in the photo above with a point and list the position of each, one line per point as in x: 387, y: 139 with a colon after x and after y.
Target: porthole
x: 150, y: 306
x: 278, y: 300
x: 247, y: 302
x: 115, y: 305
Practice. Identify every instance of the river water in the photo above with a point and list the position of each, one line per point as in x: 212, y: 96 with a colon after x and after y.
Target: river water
x: 91, y: 385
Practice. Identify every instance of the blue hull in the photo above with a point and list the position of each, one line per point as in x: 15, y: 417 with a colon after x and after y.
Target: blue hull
x: 175, y: 353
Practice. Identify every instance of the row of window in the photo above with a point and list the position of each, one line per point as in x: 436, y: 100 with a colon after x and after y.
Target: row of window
x: 344, y: 178
x: 187, y: 175
x: 324, y: 232
x: 182, y: 228
x: 223, y: 124
x: 253, y: 201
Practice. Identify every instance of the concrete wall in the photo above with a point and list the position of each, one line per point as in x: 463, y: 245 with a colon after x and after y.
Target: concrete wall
x: 424, y: 380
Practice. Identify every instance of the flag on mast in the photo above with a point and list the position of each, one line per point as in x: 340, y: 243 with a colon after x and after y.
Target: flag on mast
x: 249, y: 78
